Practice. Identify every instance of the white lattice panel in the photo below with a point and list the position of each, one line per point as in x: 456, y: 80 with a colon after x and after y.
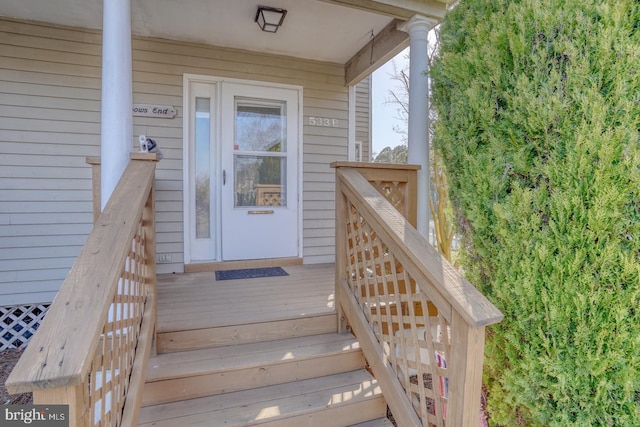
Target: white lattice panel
x: 19, y: 323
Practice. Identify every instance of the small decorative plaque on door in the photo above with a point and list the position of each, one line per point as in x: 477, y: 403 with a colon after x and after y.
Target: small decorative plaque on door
x: 153, y: 110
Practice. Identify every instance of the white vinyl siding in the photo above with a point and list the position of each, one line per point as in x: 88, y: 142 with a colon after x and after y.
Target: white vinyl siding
x: 363, y: 116
x: 49, y: 123
x: 50, y: 80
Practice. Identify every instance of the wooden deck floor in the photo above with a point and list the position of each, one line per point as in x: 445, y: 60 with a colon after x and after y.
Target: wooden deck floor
x: 197, y: 300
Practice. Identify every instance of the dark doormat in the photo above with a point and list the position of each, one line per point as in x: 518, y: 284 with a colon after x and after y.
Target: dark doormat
x: 250, y: 273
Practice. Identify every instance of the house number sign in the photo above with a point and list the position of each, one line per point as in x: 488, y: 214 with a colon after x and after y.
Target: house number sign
x: 152, y: 110
x: 324, y: 121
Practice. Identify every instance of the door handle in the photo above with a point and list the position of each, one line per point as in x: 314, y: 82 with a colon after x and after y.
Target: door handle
x: 224, y: 177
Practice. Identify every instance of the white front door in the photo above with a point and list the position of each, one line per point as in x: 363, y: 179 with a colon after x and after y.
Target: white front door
x: 259, y: 172
x: 254, y: 176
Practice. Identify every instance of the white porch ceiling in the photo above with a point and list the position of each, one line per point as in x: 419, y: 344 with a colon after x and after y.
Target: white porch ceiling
x: 312, y: 29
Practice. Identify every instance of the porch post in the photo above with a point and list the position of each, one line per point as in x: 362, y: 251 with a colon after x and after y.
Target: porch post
x: 117, y: 116
x: 418, y: 145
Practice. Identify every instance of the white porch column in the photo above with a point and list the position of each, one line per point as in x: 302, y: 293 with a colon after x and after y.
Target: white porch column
x: 418, y: 142
x: 117, y: 116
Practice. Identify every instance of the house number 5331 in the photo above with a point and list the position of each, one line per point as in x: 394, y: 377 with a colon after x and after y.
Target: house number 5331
x: 324, y: 121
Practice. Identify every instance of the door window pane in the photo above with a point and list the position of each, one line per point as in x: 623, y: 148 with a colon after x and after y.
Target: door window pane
x: 203, y: 168
x: 260, y: 125
x: 260, y: 181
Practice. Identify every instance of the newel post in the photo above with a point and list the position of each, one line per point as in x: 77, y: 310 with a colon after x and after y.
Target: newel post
x: 76, y: 396
x: 96, y: 177
x: 341, y: 252
x: 465, y: 379
x: 95, y: 186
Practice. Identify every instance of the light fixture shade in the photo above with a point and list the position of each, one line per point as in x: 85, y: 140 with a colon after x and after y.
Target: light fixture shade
x: 269, y: 19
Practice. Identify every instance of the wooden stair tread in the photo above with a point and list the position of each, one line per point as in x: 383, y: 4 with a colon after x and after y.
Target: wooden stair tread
x: 274, y: 405
x: 233, y: 357
x: 380, y: 422
x: 256, y: 352
x: 193, y: 374
x: 214, y: 336
x: 200, y: 320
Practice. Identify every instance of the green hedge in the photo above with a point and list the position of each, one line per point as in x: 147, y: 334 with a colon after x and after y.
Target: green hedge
x: 538, y: 105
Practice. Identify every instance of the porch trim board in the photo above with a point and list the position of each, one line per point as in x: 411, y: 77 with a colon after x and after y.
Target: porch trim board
x: 402, y: 9
x: 380, y: 49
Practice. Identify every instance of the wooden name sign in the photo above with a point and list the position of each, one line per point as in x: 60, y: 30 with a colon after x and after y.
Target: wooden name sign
x: 151, y: 110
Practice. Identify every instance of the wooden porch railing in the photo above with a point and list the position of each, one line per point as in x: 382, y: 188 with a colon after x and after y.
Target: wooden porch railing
x: 92, y: 348
x: 420, y: 324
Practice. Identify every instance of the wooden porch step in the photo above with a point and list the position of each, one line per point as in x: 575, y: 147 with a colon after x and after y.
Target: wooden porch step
x: 191, y: 374
x: 380, y: 422
x: 339, y: 400
x: 191, y: 339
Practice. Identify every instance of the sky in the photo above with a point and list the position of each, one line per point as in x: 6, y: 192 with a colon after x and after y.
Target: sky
x: 384, y: 115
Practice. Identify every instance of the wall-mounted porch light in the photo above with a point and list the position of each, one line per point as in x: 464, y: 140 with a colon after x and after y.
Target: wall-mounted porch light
x: 269, y: 19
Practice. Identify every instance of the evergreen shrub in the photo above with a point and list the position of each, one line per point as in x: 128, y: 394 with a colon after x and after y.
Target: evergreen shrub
x: 538, y: 105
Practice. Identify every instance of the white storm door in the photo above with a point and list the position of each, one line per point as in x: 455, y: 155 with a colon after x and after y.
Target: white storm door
x: 259, y: 153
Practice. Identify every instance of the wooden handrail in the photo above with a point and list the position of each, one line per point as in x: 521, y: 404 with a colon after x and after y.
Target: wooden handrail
x: 416, y: 316
x: 109, y: 293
